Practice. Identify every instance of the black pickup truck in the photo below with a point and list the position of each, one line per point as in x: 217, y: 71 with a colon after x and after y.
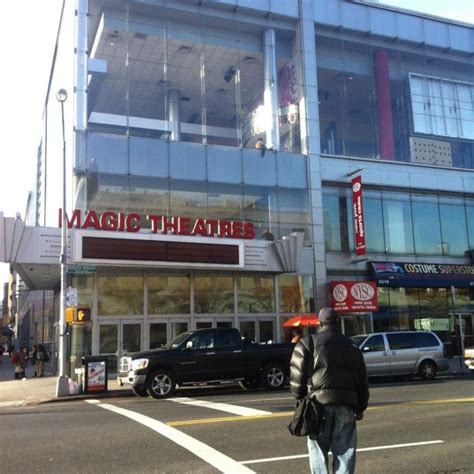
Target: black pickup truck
x: 206, y: 356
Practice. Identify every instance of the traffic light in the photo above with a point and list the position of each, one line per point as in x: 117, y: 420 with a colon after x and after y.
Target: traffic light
x: 83, y: 315
x: 70, y: 313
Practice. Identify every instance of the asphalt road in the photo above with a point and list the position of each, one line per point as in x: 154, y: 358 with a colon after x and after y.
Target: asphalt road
x: 410, y: 427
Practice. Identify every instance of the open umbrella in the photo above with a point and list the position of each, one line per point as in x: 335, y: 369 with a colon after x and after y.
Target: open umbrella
x: 301, y: 320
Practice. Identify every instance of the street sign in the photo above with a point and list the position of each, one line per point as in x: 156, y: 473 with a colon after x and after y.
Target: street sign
x: 71, y: 296
x: 81, y: 269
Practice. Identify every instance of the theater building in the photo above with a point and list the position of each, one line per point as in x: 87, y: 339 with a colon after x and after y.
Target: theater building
x: 212, y: 153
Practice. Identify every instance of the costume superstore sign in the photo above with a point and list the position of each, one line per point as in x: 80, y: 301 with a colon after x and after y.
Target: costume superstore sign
x: 416, y: 274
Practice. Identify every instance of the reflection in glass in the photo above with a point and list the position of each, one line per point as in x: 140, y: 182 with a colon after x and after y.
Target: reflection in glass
x: 374, y: 238
x: 131, y: 337
x: 256, y: 294
x: 247, y: 329
x: 453, y: 230
x: 296, y: 294
x: 157, y: 335
x: 119, y: 295
x: 168, y: 294
x: 178, y: 327
x: 213, y: 294
x: 398, y: 226
x: 266, y: 330
x: 426, y: 228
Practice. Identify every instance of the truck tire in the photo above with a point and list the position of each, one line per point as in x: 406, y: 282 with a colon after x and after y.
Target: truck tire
x: 160, y: 384
x: 251, y: 384
x: 140, y: 391
x: 274, y: 377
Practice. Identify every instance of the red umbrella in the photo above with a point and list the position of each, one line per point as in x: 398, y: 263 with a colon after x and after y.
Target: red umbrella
x: 302, y: 320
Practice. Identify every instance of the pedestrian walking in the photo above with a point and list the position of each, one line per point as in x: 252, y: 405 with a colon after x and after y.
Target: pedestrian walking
x: 21, y: 361
x: 337, y: 377
x: 40, y: 359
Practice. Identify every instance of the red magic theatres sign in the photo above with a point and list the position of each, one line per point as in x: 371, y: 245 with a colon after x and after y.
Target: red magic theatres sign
x: 354, y: 296
x: 132, y: 222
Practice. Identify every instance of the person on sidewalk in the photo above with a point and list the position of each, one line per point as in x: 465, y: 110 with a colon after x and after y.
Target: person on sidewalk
x: 337, y: 375
x: 40, y: 360
x: 22, y: 362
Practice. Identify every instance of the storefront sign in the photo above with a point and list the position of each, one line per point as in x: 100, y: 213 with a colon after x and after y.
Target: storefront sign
x: 423, y: 275
x: 358, y: 214
x: 354, y: 296
x: 122, y: 222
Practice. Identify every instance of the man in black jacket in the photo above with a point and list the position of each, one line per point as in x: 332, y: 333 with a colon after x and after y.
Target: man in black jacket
x: 338, y: 378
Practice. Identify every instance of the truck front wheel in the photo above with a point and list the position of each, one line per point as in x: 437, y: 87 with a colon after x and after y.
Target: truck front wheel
x: 274, y: 377
x: 160, y: 384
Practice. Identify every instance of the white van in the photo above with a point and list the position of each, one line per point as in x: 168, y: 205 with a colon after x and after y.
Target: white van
x: 403, y: 353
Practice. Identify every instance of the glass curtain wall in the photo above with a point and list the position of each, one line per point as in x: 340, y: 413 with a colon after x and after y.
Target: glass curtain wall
x: 390, y: 104
x: 401, y: 224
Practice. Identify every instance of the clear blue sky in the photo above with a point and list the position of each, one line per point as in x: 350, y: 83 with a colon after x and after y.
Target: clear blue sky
x: 27, y: 42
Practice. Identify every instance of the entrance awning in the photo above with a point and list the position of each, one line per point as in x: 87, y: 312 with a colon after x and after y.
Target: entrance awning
x: 422, y: 275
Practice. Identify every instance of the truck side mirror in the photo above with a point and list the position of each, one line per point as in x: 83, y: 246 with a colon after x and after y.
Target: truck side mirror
x: 189, y: 345
x: 366, y: 349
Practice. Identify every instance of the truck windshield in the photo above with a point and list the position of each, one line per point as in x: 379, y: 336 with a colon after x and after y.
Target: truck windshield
x: 176, y: 341
x: 358, y: 339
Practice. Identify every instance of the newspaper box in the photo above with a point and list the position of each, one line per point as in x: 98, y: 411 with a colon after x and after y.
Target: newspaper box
x: 95, y: 374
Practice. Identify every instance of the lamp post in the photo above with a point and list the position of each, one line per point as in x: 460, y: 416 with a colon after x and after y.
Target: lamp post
x: 62, y: 386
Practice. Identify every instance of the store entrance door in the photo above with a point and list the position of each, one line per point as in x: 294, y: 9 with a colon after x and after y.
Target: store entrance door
x: 117, y: 339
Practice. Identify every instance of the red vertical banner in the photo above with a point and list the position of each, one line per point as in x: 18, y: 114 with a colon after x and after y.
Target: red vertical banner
x: 358, y: 215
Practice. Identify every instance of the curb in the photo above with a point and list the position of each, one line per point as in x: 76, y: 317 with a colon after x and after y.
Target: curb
x: 91, y: 396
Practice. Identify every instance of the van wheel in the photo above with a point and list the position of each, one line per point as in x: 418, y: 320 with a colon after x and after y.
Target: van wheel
x: 427, y: 370
x: 274, y: 377
x: 160, y: 384
x: 140, y: 391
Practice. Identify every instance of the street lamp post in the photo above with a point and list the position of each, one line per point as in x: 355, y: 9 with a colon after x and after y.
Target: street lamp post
x: 62, y: 386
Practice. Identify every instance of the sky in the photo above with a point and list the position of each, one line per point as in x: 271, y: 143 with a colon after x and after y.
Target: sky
x: 27, y: 34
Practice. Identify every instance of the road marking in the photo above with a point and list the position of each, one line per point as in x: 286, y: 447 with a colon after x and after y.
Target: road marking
x: 290, y: 413
x: 374, y: 448
x: 235, y: 409
x: 210, y: 455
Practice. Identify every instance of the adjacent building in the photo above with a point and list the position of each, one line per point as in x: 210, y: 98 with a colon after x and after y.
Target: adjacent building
x: 212, y: 151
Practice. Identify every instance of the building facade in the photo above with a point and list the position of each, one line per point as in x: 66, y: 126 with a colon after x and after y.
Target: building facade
x: 213, y: 147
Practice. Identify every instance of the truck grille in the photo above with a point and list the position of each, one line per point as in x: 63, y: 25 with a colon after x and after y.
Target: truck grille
x: 125, y: 364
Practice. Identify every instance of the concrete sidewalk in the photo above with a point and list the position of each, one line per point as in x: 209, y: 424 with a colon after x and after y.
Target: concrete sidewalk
x: 34, y: 390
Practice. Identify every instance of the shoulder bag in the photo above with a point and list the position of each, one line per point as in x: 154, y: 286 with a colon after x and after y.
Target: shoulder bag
x: 309, y: 413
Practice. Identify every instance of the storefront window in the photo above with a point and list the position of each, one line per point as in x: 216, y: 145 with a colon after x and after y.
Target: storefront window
x: 168, y: 294
x: 213, y: 294
x: 120, y: 295
x: 256, y: 294
x: 296, y: 294
x: 403, y: 308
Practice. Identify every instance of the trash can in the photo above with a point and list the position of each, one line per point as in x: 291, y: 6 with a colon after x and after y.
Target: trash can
x: 95, y: 375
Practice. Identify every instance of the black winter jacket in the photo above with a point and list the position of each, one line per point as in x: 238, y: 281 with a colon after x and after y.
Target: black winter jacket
x: 338, y: 375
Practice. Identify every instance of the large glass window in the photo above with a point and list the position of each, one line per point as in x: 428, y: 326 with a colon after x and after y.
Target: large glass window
x: 296, y: 294
x: 120, y: 295
x: 453, y: 227
x: 374, y: 238
x: 398, y: 226
x: 426, y: 228
x: 168, y: 294
x: 470, y: 222
x: 256, y: 294
x: 213, y: 294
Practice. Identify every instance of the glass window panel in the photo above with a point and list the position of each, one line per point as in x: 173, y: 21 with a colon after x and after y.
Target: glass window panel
x: 84, y: 285
x: 466, y: 109
x: 470, y: 225
x: 178, y: 327
x: 188, y: 199
x: 120, y: 295
x: 256, y: 294
x: 213, y: 294
x: 426, y: 228
x: 266, y: 330
x: 374, y: 237
x: 131, y: 337
x: 108, y: 339
x: 293, y: 206
x: 247, y: 329
x: 168, y: 294
x: 332, y: 223
x: 398, y: 226
x: 453, y: 230
x: 296, y: 294
x: 225, y: 201
x: 157, y: 335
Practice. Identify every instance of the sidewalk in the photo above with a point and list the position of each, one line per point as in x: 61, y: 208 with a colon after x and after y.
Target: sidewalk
x: 34, y: 390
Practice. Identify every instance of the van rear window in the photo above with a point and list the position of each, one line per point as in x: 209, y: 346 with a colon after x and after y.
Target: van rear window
x: 425, y: 339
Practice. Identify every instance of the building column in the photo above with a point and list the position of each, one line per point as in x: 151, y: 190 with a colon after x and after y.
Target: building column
x: 311, y: 143
x: 270, y: 92
x: 174, y: 114
x: 384, y: 105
